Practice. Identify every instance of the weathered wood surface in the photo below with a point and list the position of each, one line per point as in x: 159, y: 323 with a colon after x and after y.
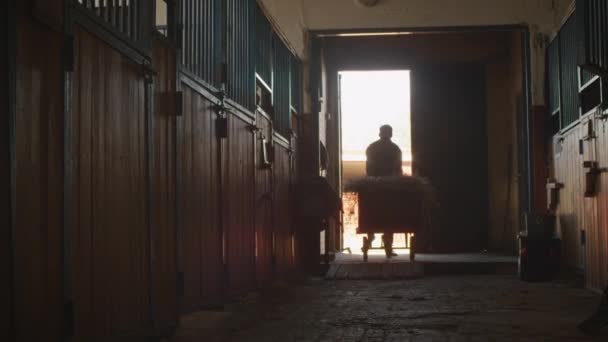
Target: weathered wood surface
x: 238, y: 196
x: 199, y: 225
x: 6, y: 283
x: 38, y: 180
x: 570, y: 212
x: 163, y: 190
x: 283, y: 208
x: 263, y: 204
x: 109, y: 224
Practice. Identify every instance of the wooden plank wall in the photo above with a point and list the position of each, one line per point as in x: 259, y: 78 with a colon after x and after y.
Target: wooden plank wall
x: 597, y: 231
x: 110, y: 241
x: 164, y: 218
x: 199, y: 225
x: 5, y: 192
x: 263, y: 205
x: 575, y: 212
x: 569, y: 171
x: 39, y: 182
x: 283, y: 201
x: 238, y: 196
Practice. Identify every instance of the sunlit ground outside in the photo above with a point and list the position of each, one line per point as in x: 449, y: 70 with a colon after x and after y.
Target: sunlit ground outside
x: 370, y: 99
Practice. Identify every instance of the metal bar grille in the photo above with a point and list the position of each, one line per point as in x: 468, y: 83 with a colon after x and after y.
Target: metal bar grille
x: 569, y: 72
x: 553, y: 76
x: 281, y: 86
x: 593, y: 31
x: 200, y: 36
x: 240, y: 64
x: 122, y: 15
x: 296, y: 84
x: 263, y: 46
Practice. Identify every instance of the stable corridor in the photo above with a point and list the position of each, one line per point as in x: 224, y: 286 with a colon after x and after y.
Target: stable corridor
x: 457, y: 308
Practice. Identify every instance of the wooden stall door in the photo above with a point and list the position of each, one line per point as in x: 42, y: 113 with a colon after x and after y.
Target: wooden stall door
x: 110, y: 235
x: 6, y: 296
x: 38, y: 180
x: 570, y: 211
x: 283, y: 202
x: 199, y: 227
x: 449, y: 146
x: 164, y: 218
x: 263, y: 204
x: 238, y: 196
x: 596, y: 212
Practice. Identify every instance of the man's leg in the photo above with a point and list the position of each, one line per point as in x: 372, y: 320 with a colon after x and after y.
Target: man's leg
x: 387, y: 238
x: 367, y: 244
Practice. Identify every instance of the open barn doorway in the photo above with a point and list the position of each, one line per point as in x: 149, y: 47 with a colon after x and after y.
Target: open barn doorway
x: 468, y: 103
x: 368, y: 100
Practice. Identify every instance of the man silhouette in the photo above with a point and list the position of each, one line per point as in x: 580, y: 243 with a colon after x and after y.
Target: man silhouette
x: 383, y: 160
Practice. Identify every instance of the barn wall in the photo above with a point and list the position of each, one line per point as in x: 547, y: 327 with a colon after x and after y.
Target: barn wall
x: 503, y: 87
x: 163, y: 185
x: 110, y: 233
x: 576, y: 214
x: 570, y: 213
x: 38, y: 179
x: 238, y: 205
x: 6, y: 283
x: 264, y: 227
x: 283, y: 203
x: 596, y: 213
x: 198, y: 195
x: 130, y: 209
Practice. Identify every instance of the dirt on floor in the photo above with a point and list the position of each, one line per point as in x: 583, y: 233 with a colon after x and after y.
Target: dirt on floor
x: 454, y: 308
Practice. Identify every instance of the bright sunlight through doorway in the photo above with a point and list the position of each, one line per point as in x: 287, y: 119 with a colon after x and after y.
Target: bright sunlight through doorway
x: 368, y: 100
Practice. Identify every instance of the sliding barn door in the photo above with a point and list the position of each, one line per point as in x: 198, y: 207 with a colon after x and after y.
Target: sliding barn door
x: 110, y: 236
x: 449, y: 146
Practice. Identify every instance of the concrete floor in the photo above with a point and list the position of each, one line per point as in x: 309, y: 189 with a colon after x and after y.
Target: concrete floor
x: 450, y: 308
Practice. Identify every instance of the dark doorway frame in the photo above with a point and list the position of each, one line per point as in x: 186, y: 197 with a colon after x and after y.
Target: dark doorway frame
x: 524, y: 143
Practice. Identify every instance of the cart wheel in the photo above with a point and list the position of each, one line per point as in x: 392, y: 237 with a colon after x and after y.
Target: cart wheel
x: 412, y: 248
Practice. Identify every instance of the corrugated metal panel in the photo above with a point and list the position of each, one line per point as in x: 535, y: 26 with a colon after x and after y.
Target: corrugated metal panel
x: 553, y: 78
x: 263, y: 46
x: 569, y: 72
x: 281, y: 85
x: 201, y: 35
x: 593, y: 31
x: 296, y: 83
x: 240, y: 82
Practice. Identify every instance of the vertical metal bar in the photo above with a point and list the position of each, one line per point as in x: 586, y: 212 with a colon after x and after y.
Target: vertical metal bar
x: 125, y: 18
x: 135, y: 20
